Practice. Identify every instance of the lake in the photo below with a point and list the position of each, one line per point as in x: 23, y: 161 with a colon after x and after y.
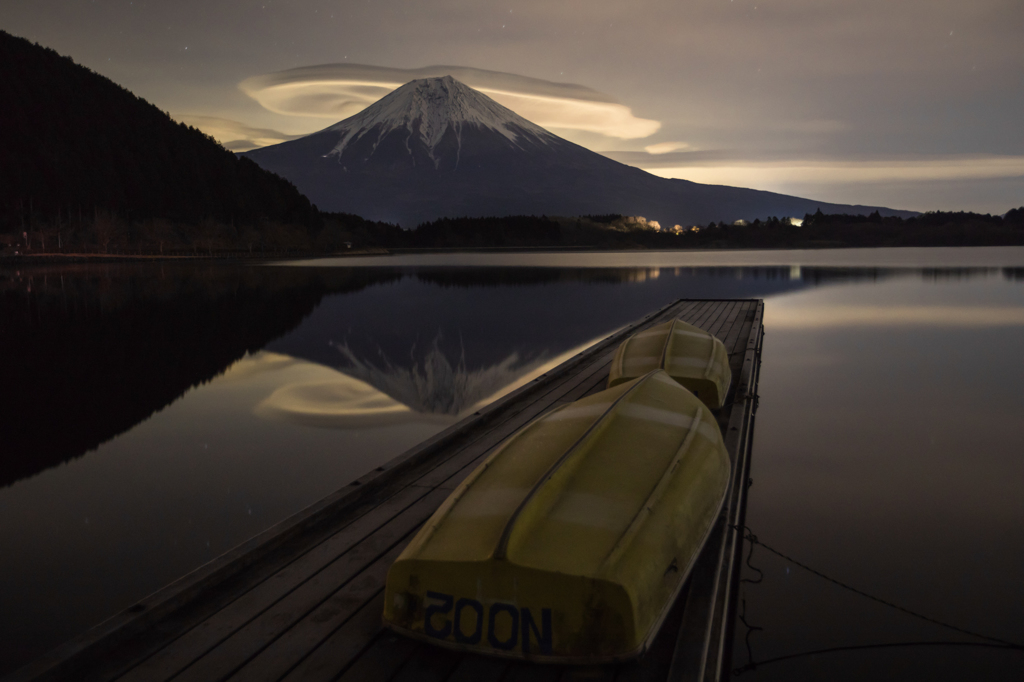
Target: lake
x: 156, y: 415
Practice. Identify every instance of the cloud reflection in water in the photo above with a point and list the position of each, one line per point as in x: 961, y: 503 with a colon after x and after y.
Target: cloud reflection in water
x: 364, y: 394
x: 322, y: 397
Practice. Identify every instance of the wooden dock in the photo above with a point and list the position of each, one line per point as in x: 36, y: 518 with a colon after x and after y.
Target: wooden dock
x: 303, y: 600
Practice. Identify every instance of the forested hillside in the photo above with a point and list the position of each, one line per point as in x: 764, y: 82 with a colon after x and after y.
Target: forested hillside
x: 87, y: 163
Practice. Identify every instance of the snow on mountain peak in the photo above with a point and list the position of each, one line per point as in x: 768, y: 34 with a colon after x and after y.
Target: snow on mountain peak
x: 427, y: 108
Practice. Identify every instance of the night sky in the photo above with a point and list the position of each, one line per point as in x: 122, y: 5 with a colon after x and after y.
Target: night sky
x: 914, y: 104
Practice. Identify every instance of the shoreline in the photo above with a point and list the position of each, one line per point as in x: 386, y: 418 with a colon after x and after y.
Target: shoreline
x: 231, y: 256
x: 228, y: 256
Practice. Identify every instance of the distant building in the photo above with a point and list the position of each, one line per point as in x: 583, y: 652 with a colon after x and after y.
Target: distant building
x: 642, y: 223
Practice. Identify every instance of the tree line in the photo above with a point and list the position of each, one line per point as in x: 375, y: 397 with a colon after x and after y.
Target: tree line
x: 936, y: 228
x: 816, y: 230
x: 339, y: 232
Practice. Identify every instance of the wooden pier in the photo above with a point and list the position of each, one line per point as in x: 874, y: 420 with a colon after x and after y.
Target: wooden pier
x: 303, y: 600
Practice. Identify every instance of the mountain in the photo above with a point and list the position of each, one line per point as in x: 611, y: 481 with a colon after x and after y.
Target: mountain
x: 435, y: 147
x: 75, y: 143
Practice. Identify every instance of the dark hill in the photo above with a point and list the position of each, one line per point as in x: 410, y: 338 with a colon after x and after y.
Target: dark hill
x: 73, y: 142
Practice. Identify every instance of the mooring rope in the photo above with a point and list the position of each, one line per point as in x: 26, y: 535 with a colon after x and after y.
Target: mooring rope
x: 991, y: 642
x: 751, y: 629
x: 749, y: 536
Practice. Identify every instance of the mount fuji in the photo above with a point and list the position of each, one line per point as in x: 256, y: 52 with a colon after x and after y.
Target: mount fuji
x: 437, y: 148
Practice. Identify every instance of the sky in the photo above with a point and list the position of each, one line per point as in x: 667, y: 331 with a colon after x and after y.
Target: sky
x: 911, y: 104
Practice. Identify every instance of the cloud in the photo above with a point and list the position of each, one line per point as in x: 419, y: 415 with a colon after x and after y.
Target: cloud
x: 765, y: 171
x: 665, y: 147
x: 337, y: 91
x: 767, y: 175
x: 234, y: 135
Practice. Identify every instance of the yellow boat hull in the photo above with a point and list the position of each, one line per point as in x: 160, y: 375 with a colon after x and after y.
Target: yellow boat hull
x: 690, y: 355
x: 572, y: 540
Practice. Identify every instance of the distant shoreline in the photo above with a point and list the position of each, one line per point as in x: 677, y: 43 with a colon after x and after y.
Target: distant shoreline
x: 230, y: 256
x: 237, y: 257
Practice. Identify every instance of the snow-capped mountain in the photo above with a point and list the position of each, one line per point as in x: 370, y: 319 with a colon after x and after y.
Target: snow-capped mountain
x: 431, y: 115
x: 435, y: 147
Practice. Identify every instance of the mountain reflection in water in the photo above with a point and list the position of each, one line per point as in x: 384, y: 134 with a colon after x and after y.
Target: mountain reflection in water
x: 436, y: 385
x: 92, y: 350
x: 154, y: 415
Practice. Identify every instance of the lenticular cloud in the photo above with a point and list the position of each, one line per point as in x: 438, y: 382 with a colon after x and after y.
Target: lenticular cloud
x: 337, y: 91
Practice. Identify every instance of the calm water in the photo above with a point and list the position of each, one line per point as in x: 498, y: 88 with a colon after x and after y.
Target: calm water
x: 155, y: 416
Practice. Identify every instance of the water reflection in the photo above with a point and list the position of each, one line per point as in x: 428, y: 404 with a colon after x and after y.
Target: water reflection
x: 887, y: 457
x: 90, y: 351
x: 897, y: 316
x: 313, y: 395
x: 210, y: 402
x: 100, y: 348
x: 436, y: 385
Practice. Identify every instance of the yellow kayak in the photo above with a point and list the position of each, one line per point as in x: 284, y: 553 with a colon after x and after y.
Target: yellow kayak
x: 571, y: 541
x: 690, y: 355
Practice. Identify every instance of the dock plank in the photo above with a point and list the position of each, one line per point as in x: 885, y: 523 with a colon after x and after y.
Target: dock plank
x: 476, y: 668
x: 382, y: 659
x: 710, y: 320
x: 699, y: 313
x: 429, y: 664
x: 334, y: 613
x: 598, y: 382
x: 705, y: 625
x: 530, y: 672
x: 733, y: 334
x: 725, y: 323
x: 705, y: 314
x: 740, y: 429
x: 195, y: 642
x: 338, y: 652
x: 739, y: 311
x: 723, y: 317
x: 595, y: 673
x: 249, y: 640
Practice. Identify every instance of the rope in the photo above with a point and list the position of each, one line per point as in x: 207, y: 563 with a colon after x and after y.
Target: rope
x: 750, y: 630
x: 760, y: 577
x: 753, y: 540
